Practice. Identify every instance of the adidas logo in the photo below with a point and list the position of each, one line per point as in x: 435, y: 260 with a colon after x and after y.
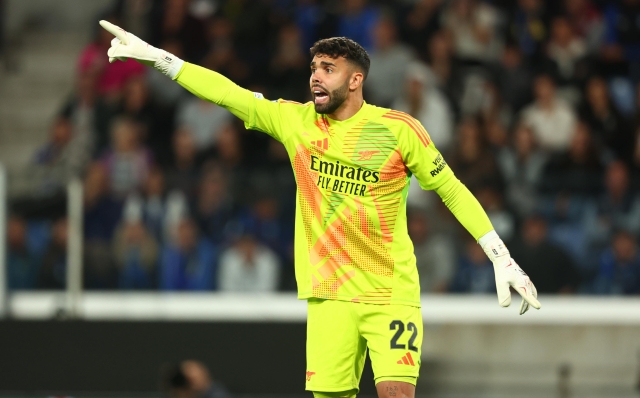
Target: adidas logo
x: 406, y: 360
x: 322, y: 144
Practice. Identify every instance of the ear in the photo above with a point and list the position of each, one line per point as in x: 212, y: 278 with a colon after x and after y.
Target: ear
x: 356, y: 80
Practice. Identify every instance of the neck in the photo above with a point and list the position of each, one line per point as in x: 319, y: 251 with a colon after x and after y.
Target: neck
x: 350, y: 107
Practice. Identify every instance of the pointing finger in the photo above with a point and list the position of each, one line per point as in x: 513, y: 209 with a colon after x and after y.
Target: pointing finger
x: 115, y: 30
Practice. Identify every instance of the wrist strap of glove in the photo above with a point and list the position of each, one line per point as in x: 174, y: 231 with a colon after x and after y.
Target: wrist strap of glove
x: 494, y: 247
x: 168, y: 64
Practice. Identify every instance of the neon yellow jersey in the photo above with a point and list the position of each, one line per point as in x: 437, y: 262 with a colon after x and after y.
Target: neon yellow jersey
x: 351, y: 240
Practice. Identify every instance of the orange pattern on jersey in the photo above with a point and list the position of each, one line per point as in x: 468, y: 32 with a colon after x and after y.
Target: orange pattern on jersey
x: 311, y: 196
x: 412, y: 123
x: 394, y: 168
x: 345, y: 242
x: 393, y: 178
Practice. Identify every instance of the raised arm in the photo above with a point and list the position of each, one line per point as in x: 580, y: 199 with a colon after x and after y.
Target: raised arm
x: 256, y: 112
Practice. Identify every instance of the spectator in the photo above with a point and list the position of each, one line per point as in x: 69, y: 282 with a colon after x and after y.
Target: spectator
x: 191, y: 379
x: 266, y: 226
x: 522, y: 165
x: 423, y: 101
x: 501, y: 219
x: 213, y: 207
x: 229, y: 155
x: 621, y: 50
x: 529, y: 26
x: 618, y: 208
x: 189, y: 263
x: 222, y: 58
x: 111, y: 77
x: 249, y: 266
x: 204, y: 119
x: 444, y: 67
x: 357, y: 21
x: 154, y: 123
x: 176, y: 20
x: 159, y: 209
x: 183, y: 173
x: 101, y: 216
x: 515, y: 79
x: 101, y: 211
x: 474, y: 273
x: 53, y: 273
x: 550, y: 267
x: 586, y: 21
x: 608, y: 127
x: 50, y: 160
x: 472, y: 160
x: 127, y: 162
x: 576, y: 171
x: 550, y: 118
x: 619, y: 271
x: 23, y: 263
x: 136, y: 256
x: 289, y: 68
x: 389, y: 62
x: 473, y: 24
x: 567, y: 53
x: 420, y: 22
x: 435, y: 254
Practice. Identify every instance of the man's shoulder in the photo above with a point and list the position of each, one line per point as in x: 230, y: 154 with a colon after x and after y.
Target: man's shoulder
x: 398, y: 122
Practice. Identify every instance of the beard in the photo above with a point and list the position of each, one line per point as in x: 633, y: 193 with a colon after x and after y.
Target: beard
x: 336, y: 98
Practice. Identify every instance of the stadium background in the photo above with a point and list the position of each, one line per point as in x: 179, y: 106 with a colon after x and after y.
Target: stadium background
x: 130, y: 210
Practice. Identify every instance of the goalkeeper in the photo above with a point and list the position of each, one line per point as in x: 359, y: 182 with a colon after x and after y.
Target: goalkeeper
x: 354, y: 260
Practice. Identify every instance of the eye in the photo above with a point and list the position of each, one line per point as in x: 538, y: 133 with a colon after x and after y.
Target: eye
x: 329, y: 70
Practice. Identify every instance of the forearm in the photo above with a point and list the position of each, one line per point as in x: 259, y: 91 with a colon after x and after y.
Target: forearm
x: 465, y: 207
x: 214, y: 87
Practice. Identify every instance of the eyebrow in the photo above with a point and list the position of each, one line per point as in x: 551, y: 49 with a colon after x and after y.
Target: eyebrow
x: 323, y: 63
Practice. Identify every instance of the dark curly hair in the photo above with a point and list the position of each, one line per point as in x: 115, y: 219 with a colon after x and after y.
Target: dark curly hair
x: 335, y: 47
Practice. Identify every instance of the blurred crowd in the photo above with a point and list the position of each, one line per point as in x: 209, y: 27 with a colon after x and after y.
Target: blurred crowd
x: 535, y: 105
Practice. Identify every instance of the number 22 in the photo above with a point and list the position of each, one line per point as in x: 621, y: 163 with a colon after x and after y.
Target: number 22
x: 399, y: 325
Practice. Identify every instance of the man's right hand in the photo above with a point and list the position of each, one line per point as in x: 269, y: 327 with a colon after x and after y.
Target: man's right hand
x: 126, y: 45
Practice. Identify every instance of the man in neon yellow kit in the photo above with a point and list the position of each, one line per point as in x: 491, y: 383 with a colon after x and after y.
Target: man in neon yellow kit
x: 354, y: 260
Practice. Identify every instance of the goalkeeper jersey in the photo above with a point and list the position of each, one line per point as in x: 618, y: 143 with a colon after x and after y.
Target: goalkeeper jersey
x: 351, y: 240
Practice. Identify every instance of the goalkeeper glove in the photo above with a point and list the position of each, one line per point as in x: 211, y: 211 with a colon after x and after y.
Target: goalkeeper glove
x: 127, y: 45
x: 508, y: 273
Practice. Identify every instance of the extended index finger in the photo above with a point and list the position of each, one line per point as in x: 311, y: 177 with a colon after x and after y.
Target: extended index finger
x: 116, y: 31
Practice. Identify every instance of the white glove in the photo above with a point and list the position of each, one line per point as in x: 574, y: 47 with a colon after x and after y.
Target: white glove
x: 508, y: 273
x: 127, y: 45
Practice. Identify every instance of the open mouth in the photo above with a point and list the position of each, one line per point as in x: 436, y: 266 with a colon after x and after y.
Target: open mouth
x: 320, y: 96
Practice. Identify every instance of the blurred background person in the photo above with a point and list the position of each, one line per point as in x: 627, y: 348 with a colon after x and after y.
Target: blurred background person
x: 389, y: 61
x: 127, y: 161
x: 435, y: 254
x: 422, y: 100
x: 189, y: 262
x: 191, y: 379
x: 550, y: 118
x: 249, y: 266
x: 544, y: 261
x: 522, y: 164
x: 619, y: 271
x: 136, y: 255
x: 474, y: 272
x: 53, y: 272
x: 23, y: 262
